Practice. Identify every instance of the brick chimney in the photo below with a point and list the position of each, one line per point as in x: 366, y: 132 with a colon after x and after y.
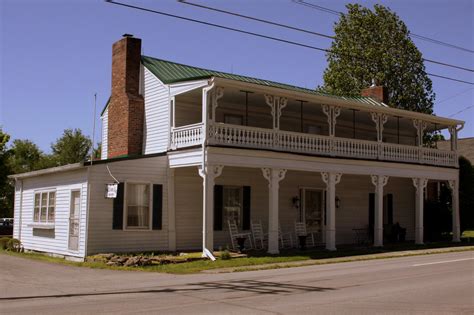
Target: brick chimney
x: 126, y: 107
x: 376, y: 92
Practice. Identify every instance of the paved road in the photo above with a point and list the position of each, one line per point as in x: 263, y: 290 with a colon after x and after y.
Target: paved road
x: 433, y: 284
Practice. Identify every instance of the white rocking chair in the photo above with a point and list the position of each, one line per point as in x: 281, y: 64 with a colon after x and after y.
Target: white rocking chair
x: 259, y: 236
x: 285, y: 238
x: 300, y: 230
x: 235, y: 234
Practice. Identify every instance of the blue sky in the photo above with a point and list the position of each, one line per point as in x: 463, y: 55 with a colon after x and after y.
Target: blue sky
x: 56, y: 54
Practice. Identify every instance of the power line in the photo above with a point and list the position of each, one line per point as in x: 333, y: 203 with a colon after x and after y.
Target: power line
x: 421, y: 37
x: 462, y: 110
x: 294, y: 28
x: 245, y: 32
x: 448, y: 78
x: 455, y: 95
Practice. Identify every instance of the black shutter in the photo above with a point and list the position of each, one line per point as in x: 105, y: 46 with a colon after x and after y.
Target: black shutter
x: 371, y: 209
x: 390, y: 208
x: 117, y: 216
x: 246, y: 209
x: 157, y: 206
x: 218, y: 203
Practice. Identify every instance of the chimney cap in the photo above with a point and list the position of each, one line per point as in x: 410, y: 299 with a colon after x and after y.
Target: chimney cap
x: 127, y: 35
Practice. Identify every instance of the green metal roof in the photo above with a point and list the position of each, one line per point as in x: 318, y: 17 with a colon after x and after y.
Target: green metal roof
x: 171, y: 72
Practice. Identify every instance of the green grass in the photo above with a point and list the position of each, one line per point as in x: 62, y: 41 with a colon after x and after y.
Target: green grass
x: 468, y: 234
x: 256, y: 259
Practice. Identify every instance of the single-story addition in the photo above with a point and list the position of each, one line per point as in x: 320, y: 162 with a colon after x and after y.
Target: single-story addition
x: 192, y: 150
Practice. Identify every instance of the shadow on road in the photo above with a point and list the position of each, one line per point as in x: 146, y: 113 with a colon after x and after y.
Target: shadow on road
x: 254, y: 286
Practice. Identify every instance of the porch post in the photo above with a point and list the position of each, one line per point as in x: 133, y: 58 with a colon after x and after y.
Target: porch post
x: 171, y: 211
x: 208, y: 174
x: 420, y: 185
x: 273, y: 176
x: 331, y: 180
x: 454, y: 185
x: 379, y: 181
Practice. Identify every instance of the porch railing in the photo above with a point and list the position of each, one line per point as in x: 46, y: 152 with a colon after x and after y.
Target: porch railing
x: 279, y: 140
x: 187, y: 136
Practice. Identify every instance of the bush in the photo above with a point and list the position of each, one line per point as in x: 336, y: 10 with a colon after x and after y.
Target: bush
x: 3, y: 242
x: 225, y: 255
x: 14, y: 245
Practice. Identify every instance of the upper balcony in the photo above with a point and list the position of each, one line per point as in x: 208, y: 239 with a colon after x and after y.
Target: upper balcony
x: 246, y: 118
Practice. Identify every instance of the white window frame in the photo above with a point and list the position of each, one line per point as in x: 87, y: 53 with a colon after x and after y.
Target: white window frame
x: 150, y: 207
x: 41, y: 192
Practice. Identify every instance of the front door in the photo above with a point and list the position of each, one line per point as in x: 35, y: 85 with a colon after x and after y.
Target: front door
x: 312, y: 211
x: 74, y: 220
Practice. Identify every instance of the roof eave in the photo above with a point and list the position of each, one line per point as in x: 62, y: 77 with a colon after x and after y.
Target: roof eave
x: 51, y: 170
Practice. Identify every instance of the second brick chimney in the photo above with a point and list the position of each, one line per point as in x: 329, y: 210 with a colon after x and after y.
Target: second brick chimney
x: 126, y: 107
x: 376, y: 92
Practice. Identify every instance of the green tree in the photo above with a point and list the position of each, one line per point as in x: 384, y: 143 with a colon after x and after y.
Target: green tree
x: 6, y: 188
x: 25, y: 156
x: 72, y: 147
x: 376, y: 45
x: 98, y: 151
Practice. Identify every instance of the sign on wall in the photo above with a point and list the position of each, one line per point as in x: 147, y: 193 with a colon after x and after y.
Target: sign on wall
x: 111, y: 190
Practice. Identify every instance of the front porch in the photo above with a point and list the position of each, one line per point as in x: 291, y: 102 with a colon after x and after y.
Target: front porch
x: 337, y: 197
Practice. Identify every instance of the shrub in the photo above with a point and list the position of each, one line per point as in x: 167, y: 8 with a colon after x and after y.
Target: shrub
x: 4, y: 242
x: 225, y: 255
x: 14, y: 245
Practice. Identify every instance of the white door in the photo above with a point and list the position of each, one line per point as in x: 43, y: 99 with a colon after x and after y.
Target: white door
x: 312, y: 211
x: 74, y: 220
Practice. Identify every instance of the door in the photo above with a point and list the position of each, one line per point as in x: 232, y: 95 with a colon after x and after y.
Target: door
x: 312, y: 211
x: 74, y: 220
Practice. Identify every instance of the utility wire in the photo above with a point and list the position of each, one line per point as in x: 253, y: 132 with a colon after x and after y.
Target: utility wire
x: 338, y: 13
x: 462, y: 110
x: 294, y: 28
x: 453, y: 96
x: 246, y: 32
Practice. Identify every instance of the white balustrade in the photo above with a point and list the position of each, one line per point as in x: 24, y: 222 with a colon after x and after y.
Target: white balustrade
x: 187, y: 136
x: 287, y: 141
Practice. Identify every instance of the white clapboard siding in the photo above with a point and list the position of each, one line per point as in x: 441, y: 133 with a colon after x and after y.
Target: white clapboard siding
x: 105, y: 134
x: 52, y: 241
x: 353, y: 192
x: 156, y: 129
x: 102, y: 238
x: 16, y: 210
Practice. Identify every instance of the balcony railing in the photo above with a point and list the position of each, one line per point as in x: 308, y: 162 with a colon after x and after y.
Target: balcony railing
x: 287, y: 141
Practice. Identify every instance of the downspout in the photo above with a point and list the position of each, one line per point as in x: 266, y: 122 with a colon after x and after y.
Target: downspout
x: 20, y: 222
x: 205, y: 116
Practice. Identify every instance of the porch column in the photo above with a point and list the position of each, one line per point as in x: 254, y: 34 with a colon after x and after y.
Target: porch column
x: 379, y: 181
x: 331, y: 180
x: 171, y: 212
x: 209, y: 174
x: 420, y: 185
x: 276, y: 103
x: 454, y: 185
x: 420, y: 127
x: 273, y: 176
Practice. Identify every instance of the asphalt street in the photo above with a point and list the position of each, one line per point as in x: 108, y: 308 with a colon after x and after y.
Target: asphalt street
x: 431, y: 284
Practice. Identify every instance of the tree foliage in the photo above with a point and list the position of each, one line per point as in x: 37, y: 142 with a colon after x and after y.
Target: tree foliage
x: 6, y: 188
x: 72, y: 147
x: 376, y: 45
x: 25, y: 156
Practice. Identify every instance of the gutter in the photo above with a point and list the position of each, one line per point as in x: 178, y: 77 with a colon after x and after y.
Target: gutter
x: 51, y: 170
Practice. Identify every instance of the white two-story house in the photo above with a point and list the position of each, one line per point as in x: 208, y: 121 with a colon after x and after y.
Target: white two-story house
x: 191, y: 149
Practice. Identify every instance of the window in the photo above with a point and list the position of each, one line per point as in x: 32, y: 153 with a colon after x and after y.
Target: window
x: 233, y: 119
x: 44, y: 208
x: 313, y: 129
x: 232, y: 205
x: 137, y: 212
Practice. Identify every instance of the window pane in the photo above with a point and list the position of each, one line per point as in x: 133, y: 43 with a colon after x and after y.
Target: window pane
x: 51, y: 206
x: 232, y: 207
x: 138, y: 210
x: 44, y: 204
x: 36, y: 213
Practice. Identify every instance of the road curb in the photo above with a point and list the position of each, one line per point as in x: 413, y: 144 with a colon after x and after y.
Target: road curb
x: 325, y: 261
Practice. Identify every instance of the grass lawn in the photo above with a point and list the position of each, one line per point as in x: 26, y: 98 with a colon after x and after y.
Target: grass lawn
x: 343, y: 254
x: 468, y: 234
